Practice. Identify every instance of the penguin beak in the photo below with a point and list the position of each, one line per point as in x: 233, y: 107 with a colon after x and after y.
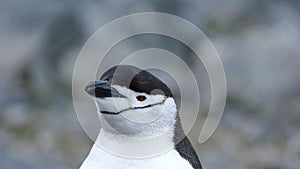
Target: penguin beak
x: 102, y: 89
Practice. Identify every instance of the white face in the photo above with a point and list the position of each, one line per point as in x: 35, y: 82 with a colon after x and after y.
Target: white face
x: 137, y: 113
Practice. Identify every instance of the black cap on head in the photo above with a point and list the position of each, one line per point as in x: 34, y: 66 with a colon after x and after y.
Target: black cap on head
x: 136, y: 79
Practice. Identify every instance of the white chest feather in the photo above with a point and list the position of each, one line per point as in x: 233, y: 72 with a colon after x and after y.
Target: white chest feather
x: 100, y: 159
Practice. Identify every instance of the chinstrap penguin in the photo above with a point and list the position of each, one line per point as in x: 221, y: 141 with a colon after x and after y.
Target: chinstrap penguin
x: 141, y: 127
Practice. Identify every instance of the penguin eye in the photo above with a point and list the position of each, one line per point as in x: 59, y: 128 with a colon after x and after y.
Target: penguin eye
x: 140, y: 98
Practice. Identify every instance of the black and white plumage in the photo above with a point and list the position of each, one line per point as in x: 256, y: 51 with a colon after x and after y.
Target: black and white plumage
x: 134, y: 106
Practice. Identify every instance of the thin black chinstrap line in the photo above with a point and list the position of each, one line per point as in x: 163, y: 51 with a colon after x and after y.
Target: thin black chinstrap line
x: 134, y: 108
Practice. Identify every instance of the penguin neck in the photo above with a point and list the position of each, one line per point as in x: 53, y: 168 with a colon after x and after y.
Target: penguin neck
x: 154, y: 138
x: 127, y: 146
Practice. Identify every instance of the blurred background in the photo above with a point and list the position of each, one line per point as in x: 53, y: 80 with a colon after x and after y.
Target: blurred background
x: 258, y: 43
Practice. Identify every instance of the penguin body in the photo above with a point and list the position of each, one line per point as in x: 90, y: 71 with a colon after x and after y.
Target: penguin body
x: 99, y: 158
x: 140, y: 124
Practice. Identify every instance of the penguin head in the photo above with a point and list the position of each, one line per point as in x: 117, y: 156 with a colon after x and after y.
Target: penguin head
x: 132, y: 101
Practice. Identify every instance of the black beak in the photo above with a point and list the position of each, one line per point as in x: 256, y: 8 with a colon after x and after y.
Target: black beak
x: 102, y: 89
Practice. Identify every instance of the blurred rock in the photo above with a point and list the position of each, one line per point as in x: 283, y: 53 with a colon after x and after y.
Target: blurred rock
x: 257, y: 42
